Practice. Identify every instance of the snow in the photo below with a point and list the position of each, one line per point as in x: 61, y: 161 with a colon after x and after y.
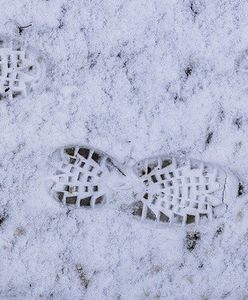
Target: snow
x: 134, y: 79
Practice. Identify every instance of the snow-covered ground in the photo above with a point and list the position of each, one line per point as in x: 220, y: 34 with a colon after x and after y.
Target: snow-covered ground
x: 134, y: 79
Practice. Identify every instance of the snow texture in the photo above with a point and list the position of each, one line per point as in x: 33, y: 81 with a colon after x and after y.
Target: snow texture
x: 134, y: 79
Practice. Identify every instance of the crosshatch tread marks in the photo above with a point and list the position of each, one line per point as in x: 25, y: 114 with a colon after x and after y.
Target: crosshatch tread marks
x: 78, y: 180
x: 176, y: 193
x: 16, y: 72
x: 172, y: 190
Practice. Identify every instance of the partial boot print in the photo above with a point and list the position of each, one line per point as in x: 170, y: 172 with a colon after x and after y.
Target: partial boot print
x: 169, y: 190
x: 84, y: 177
x: 183, y: 192
x: 20, y: 69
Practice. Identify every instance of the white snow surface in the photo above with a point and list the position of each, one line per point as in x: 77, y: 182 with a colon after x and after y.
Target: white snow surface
x: 134, y: 79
